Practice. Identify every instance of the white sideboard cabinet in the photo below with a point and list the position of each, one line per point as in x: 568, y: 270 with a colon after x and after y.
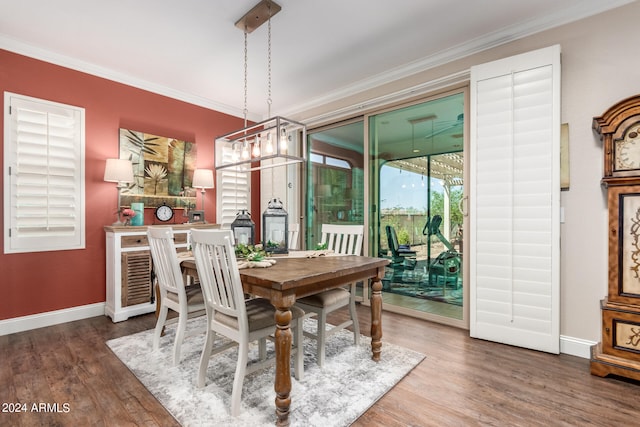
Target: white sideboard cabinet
x: 130, y: 290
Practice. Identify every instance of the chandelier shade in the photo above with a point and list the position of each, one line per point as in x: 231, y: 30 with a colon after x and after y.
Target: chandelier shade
x: 275, y: 138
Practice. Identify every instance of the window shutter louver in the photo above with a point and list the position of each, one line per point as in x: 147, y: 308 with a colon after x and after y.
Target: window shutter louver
x: 515, y: 197
x: 233, y: 192
x: 45, y: 153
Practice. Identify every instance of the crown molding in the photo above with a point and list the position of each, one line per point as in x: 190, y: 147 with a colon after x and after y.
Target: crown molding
x: 75, y: 64
x: 372, y: 104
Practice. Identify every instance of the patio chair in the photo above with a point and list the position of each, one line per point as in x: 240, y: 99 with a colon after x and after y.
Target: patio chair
x: 402, y: 259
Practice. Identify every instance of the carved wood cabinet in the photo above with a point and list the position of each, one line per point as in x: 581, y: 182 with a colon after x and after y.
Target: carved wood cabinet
x: 130, y: 290
x: 619, y: 351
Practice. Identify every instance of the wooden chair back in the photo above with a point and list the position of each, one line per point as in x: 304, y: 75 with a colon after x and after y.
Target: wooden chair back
x: 165, y: 261
x: 343, y: 239
x: 294, y: 231
x: 219, y: 276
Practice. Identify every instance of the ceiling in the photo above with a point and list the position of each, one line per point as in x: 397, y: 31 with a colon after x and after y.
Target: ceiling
x: 321, y: 50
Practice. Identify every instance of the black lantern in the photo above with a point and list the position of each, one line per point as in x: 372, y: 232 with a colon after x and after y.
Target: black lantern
x: 275, y: 228
x: 244, y: 228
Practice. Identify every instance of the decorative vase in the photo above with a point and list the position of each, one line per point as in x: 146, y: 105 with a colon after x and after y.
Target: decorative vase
x: 138, y: 208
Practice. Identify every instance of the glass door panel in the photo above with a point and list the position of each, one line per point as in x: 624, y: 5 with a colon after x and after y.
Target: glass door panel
x: 335, y: 180
x: 416, y: 188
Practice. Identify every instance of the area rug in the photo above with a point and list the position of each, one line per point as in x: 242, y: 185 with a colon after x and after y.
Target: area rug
x: 334, y: 395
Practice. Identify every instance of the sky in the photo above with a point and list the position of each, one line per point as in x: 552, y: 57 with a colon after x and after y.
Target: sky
x: 404, y: 189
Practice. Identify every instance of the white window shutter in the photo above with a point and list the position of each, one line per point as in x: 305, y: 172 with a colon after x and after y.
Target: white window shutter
x: 44, y: 166
x: 233, y: 193
x: 515, y: 200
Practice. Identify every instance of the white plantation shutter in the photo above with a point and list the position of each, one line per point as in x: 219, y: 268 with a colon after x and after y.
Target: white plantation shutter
x: 44, y: 175
x: 233, y: 192
x: 515, y: 199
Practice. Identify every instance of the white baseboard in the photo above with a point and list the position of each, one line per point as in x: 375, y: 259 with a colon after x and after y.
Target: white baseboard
x: 568, y: 345
x: 41, y: 320
x: 576, y: 346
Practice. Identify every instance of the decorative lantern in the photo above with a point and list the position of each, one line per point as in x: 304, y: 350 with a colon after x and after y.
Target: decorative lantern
x: 275, y: 228
x: 244, y: 228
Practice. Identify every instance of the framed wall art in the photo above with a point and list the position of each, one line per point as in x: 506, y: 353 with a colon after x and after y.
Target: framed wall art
x: 162, y: 168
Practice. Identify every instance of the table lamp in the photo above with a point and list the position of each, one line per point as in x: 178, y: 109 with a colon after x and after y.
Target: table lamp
x: 202, y: 178
x: 120, y: 171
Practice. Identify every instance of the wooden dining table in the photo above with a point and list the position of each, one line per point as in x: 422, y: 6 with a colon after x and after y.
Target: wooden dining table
x: 291, y: 278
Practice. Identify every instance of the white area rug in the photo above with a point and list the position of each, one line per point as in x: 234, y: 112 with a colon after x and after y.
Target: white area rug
x: 336, y: 395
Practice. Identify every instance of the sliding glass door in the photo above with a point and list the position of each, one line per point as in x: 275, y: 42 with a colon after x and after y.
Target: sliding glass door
x: 416, y: 190
x: 335, y: 178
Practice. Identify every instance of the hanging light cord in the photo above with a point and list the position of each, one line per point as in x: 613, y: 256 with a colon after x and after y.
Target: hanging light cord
x: 269, y: 89
x: 269, y: 64
x: 245, y: 111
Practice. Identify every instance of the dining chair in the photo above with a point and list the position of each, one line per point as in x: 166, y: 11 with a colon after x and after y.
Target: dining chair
x: 344, y: 240
x: 294, y: 231
x: 187, y: 301
x: 231, y: 315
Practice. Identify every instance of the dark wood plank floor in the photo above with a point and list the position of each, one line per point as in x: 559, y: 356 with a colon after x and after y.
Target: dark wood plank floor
x: 462, y: 381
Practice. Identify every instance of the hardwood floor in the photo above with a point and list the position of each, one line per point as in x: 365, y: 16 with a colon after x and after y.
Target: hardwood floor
x: 461, y: 382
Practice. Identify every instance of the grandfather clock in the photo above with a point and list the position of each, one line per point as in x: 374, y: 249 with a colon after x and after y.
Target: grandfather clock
x: 619, y: 351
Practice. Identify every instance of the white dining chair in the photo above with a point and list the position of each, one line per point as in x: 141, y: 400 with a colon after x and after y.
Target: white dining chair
x: 344, y: 240
x: 294, y: 231
x: 187, y: 301
x: 230, y: 315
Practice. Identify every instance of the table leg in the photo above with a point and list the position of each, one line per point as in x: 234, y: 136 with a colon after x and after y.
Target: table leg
x: 282, y: 387
x: 376, y: 315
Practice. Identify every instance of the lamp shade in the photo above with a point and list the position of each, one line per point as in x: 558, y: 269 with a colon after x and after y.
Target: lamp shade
x: 118, y: 170
x: 203, y: 178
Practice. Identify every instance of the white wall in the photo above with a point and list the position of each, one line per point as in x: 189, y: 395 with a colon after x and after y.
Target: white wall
x: 600, y: 66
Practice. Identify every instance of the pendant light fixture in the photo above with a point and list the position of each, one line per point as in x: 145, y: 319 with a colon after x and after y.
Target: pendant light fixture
x: 274, y: 138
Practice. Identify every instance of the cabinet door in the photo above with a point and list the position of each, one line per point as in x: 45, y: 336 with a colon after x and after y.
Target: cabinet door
x: 624, y: 244
x: 136, y: 278
x: 621, y: 334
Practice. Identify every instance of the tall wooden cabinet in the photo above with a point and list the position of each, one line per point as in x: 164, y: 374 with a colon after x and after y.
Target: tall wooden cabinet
x: 619, y: 351
x: 130, y: 291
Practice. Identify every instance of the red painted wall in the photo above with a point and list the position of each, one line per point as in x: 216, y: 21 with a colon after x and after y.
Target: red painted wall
x: 40, y: 282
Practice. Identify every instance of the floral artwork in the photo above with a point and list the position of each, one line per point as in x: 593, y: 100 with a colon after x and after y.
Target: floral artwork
x: 163, y: 169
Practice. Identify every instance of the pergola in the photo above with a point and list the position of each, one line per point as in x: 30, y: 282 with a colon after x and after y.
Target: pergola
x: 447, y: 167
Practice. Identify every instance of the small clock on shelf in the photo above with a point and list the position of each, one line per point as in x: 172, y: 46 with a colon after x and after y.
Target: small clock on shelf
x: 164, y: 213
